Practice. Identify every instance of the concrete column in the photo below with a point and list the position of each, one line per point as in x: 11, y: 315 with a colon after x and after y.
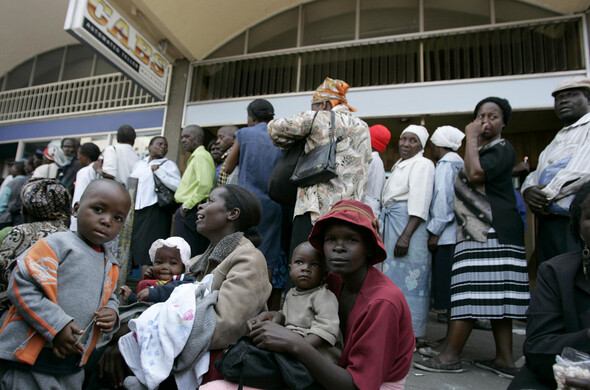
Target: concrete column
x: 174, y: 110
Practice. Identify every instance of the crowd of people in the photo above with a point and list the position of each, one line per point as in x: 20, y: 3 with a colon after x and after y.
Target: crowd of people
x: 341, y: 280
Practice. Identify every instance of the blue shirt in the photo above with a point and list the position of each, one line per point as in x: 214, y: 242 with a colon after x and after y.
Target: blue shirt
x: 442, y: 207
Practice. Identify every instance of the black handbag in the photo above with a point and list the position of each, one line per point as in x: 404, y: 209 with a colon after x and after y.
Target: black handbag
x: 280, y: 188
x: 165, y: 194
x: 319, y: 164
x: 248, y: 365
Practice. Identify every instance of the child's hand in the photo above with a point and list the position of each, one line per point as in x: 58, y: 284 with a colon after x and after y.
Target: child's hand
x: 106, y: 319
x: 149, y: 273
x: 125, y: 292
x: 273, y: 316
x: 66, y: 342
x: 143, y: 295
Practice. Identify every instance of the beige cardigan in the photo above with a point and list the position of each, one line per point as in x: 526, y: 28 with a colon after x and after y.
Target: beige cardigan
x: 242, y: 281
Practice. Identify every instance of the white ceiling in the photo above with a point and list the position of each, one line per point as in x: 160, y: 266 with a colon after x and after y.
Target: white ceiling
x: 194, y: 28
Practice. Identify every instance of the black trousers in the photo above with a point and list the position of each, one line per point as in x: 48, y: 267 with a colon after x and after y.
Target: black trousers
x: 187, y: 229
x: 554, y: 237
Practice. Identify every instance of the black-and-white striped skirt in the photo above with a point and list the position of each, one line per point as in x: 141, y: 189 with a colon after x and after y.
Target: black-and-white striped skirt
x: 489, y: 280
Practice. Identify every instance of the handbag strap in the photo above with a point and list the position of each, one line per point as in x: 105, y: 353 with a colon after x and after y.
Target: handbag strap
x: 333, y: 119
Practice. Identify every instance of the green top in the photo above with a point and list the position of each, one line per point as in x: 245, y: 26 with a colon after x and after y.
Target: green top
x: 197, y: 180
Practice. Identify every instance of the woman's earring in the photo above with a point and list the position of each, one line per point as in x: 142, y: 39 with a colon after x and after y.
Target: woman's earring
x: 586, y: 260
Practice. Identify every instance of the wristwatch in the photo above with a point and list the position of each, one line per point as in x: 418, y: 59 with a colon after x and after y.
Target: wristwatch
x: 185, y: 209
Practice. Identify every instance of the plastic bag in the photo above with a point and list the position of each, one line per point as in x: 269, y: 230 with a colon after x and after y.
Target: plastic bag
x: 571, y: 364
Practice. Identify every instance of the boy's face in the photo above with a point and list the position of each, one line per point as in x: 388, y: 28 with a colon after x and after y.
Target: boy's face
x: 345, y: 248
x: 306, y: 268
x: 167, y: 263
x: 101, y: 212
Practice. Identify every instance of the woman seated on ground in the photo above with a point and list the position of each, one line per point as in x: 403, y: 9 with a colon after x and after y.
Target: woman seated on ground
x: 559, y: 312
x: 46, y: 209
x: 228, y: 219
x: 374, y: 316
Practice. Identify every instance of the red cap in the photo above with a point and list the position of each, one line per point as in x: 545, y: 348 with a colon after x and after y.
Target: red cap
x: 356, y: 213
x: 380, y: 137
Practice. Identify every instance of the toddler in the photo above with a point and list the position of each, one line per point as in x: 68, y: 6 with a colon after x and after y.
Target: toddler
x: 62, y: 298
x: 310, y: 309
x: 169, y: 258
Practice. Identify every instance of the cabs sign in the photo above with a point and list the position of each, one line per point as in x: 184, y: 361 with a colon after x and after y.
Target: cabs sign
x: 98, y: 24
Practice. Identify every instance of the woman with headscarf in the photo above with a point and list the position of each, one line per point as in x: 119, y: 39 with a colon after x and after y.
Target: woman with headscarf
x: 406, y: 199
x: 489, y: 277
x: 46, y: 208
x: 251, y: 144
x: 441, y: 224
x: 53, y: 158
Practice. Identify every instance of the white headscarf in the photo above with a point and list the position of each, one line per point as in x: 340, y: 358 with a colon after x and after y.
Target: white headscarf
x: 172, y: 242
x: 447, y: 137
x: 420, y: 132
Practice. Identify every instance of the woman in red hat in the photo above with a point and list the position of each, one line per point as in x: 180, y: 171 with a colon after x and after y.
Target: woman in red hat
x: 374, y: 316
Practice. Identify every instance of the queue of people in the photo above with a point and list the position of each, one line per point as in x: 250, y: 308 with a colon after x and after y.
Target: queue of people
x: 366, y: 255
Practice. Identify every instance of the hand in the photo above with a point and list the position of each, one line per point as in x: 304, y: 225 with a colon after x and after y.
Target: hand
x: 536, y: 199
x: 66, y: 342
x: 112, y: 367
x: 149, y: 273
x: 97, y: 166
x: 106, y: 318
x: 473, y: 129
x: 521, y: 168
x: 433, y: 242
x: 143, y: 295
x: 155, y: 167
x: 125, y: 292
x: 274, y: 337
x: 182, y: 212
x: 273, y: 316
x: 401, y: 246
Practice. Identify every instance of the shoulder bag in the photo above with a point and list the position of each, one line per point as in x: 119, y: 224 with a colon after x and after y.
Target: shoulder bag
x: 165, y: 194
x: 319, y: 164
x: 280, y: 188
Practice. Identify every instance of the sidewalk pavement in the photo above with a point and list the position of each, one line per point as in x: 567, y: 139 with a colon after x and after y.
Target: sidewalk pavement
x: 479, y: 346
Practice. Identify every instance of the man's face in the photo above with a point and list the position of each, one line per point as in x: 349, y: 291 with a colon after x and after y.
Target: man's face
x: 189, y: 140
x: 571, y: 105
x: 225, y: 139
x: 68, y: 147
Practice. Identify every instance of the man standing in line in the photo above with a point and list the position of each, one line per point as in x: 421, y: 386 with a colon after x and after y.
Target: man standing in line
x: 226, y: 136
x: 196, y: 184
x: 118, y: 160
x: 562, y: 169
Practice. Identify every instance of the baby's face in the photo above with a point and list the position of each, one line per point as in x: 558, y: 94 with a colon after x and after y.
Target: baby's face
x: 167, y: 263
x: 306, y: 268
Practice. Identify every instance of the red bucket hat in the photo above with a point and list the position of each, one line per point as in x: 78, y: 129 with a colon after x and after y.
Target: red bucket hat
x: 356, y: 213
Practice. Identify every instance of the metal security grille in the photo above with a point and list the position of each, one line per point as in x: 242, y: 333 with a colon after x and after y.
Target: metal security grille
x: 81, y: 95
x: 502, y: 50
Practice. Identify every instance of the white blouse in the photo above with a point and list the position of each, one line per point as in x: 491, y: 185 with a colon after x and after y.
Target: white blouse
x: 411, y: 180
x: 168, y: 172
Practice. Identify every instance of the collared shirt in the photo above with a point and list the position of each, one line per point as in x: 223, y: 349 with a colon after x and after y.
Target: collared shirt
x: 353, y: 155
x: 119, y: 161
x: 375, y: 184
x: 221, y: 174
x: 442, y: 207
x: 84, y: 176
x: 411, y: 180
x: 573, y: 143
x: 197, y: 180
x: 167, y: 172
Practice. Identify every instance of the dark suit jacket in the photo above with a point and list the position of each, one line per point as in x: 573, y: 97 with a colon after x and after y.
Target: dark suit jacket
x: 558, y: 315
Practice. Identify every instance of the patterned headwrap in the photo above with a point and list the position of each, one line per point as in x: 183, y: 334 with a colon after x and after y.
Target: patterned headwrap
x: 46, y: 199
x: 333, y: 91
